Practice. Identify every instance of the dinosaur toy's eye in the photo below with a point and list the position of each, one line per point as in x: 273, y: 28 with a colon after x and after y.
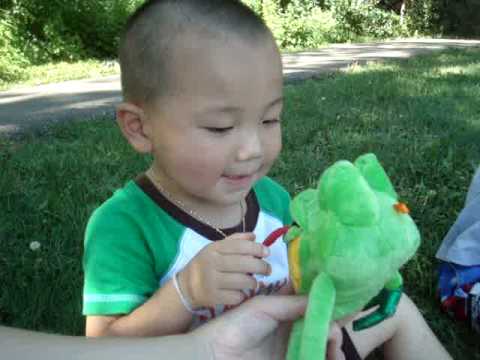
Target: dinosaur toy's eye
x: 401, y: 208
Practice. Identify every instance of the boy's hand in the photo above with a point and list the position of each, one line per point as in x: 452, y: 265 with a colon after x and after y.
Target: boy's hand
x: 220, y: 271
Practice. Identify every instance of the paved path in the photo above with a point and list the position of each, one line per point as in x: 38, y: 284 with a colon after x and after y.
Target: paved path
x: 37, y: 106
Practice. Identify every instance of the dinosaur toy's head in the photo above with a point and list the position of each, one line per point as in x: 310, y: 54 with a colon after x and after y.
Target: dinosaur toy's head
x: 353, y: 228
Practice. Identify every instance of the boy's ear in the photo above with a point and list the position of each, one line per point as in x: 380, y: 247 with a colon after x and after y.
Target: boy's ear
x: 132, y: 122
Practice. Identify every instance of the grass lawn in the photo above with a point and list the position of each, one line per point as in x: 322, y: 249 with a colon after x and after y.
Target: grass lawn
x: 62, y: 71
x: 421, y: 117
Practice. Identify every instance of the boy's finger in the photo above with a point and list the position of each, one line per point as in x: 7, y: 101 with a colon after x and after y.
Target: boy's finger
x: 286, y: 289
x: 232, y: 281
x: 232, y: 297
x: 244, y: 264
x: 242, y: 247
x: 249, y: 236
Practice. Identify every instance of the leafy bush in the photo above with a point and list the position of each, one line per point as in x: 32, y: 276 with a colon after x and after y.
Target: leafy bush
x: 381, y: 24
x: 364, y: 18
x: 56, y: 30
x: 12, y: 61
x: 53, y: 30
x: 303, y: 24
x: 256, y: 5
x: 306, y: 26
x: 323, y: 27
x: 459, y: 17
x: 298, y: 24
x: 423, y: 16
x: 98, y: 24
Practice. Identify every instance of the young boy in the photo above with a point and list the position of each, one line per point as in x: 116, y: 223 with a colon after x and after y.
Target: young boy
x: 202, y: 83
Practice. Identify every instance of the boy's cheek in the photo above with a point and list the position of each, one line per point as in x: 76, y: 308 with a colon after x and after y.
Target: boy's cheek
x: 275, y: 148
x: 199, y: 170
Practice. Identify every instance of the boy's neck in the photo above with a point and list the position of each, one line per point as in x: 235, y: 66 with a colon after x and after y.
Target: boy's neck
x: 215, y: 215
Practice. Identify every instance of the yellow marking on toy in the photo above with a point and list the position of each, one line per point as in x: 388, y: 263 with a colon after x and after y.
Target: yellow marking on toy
x: 294, y: 262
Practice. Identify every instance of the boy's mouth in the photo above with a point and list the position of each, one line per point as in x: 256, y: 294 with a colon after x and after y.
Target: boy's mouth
x: 239, y: 180
x: 236, y: 177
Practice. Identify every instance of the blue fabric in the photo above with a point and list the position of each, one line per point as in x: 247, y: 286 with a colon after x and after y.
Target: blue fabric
x: 452, y: 277
x: 462, y: 243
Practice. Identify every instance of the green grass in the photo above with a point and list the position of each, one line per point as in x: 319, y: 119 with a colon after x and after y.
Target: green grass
x: 62, y: 71
x: 421, y: 117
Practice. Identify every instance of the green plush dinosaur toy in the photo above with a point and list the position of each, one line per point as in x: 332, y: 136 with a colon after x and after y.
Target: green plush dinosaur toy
x: 351, y: 236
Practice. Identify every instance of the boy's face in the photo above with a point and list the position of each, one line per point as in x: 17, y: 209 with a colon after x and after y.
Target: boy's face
x: 219, y: 132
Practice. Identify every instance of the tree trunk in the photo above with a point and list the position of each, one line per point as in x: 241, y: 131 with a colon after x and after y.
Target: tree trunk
x: 403, y: 8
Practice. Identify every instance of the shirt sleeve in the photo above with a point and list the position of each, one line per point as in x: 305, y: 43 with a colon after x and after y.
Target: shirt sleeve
x: 118, y: 265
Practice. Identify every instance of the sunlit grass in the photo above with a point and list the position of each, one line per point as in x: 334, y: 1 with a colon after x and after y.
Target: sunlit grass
x: 62, y: 71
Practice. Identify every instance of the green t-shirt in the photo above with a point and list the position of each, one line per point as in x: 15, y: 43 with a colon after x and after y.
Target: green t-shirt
x: 137, y: 240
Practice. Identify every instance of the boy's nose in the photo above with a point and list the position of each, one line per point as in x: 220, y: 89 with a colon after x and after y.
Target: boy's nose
x: 250, y: 147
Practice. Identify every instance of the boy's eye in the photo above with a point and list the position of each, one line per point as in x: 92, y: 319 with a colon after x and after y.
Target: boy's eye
x: 271, y: 121
x: 219, y: 130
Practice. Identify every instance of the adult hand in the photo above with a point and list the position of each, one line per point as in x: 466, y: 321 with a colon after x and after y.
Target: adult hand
x: 220, y: 271
x: 257, y: 329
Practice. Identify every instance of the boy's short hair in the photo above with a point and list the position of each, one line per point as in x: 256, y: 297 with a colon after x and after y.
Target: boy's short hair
x: 145, y: 52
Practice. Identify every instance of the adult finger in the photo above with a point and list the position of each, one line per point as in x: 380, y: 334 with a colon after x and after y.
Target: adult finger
x: 248, y: 330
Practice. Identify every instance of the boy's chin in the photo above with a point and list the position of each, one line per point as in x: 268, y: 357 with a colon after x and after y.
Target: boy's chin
x: 233, y: 198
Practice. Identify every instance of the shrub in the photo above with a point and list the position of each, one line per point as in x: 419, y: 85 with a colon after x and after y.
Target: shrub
x: 460, y: 18
x: 12, y: 61
x: 98, y: 24
x: 298, y: 24
x: 303, y: 24
x: 423, y: 16
x: 306, y: 26
x: 364, y: 18
x: 323, y: 27
x: 57, y: 30
x: 381, y: 24
x: 256, y: 5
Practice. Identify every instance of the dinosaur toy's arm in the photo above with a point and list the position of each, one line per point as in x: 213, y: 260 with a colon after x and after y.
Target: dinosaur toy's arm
x: 312, y: 332
x: 387, y: 301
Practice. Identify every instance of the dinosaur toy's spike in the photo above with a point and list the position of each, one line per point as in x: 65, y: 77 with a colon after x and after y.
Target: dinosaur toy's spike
x: 401, y: 208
